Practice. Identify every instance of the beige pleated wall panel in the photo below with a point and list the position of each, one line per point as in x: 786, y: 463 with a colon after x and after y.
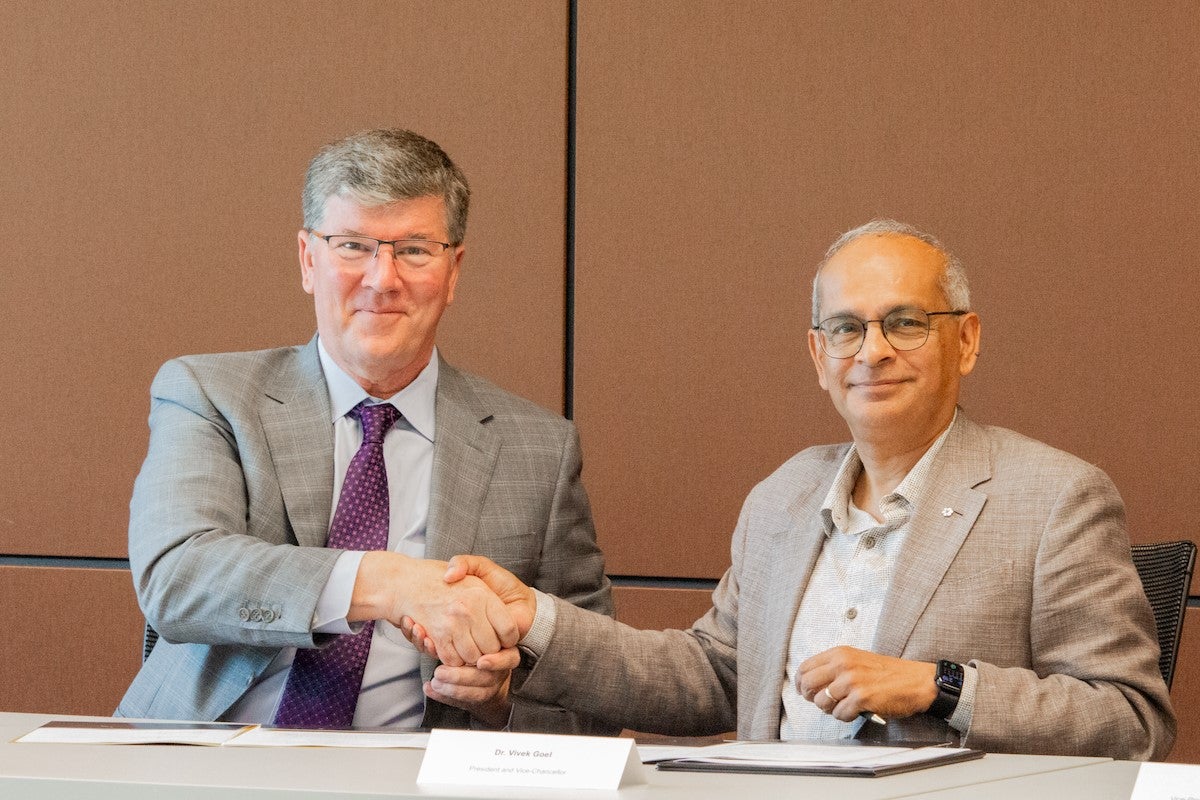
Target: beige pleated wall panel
x: 149, y: 201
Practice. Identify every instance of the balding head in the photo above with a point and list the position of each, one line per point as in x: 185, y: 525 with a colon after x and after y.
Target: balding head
x: 953, y: 279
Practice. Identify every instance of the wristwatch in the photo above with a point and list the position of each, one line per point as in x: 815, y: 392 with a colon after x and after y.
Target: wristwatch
x: 949, y: 682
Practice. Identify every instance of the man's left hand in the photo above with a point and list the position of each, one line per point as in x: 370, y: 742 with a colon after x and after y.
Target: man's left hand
x: 845, y: 682
x: 482, y: 692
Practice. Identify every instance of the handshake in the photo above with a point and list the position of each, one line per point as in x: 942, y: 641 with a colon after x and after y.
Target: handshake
x: 458, y: 611
x: 468, y: 613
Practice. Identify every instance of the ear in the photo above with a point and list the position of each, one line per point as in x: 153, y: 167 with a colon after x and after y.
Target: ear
x: 814, y: 350
x: 455, y: 264
x: 968, y: 343
x: 306, y: 263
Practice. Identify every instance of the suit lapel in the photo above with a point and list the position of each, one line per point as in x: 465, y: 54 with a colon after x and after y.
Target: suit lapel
x: 295, y: 417
x: 464, y: 456
x: 796, y: 550
x: 935, y: 536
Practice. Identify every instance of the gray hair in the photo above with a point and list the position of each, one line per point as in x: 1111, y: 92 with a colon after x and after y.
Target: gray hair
x: 383, y: 166
x: 953, y: 280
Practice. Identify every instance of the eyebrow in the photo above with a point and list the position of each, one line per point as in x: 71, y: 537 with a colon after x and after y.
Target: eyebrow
x: 889, y: 311
x: 419, y: 235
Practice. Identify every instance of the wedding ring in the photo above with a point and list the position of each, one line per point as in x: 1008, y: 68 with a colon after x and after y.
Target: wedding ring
x: 831, y: 697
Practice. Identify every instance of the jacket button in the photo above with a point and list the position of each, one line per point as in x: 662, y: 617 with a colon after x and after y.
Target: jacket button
x: 244, y: 614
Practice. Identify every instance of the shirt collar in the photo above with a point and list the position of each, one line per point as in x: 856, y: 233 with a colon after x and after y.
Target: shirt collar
x: 416, y: 402
x: 896, y: 506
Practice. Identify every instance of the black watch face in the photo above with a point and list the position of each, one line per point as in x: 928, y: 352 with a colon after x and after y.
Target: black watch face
x: 950, y: 676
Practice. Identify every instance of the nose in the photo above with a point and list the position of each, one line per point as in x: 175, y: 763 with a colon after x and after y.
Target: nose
x: 383, y: 273
x: 875, y: 347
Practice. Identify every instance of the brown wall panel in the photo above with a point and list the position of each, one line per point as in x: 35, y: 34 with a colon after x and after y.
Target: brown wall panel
x: 1056, y: 148
x: 150, y: 200
x: 1185, y: 692
x: 76, y: 643
x: 656, y: 609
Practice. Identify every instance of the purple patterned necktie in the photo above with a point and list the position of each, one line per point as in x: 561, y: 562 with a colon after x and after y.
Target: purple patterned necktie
x: 322, y: 687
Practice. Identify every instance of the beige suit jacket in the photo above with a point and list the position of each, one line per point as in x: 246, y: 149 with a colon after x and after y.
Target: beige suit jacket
x: 1028, y: 578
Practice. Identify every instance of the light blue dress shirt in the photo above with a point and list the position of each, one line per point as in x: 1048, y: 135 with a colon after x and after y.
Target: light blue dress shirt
x: 391, y: 691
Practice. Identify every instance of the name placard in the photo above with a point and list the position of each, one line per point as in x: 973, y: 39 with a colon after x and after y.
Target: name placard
x: 484, y: 758
x: 1167, y: 782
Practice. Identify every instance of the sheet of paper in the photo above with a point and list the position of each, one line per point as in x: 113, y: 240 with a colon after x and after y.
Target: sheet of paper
x: 115, y: 732
x: 649, y: 753
x: 785, y: 754
x: 283, y: 737
x: 1167, y: 782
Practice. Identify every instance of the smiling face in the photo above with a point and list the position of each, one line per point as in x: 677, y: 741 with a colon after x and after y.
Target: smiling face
x: 891, y: 398
x: 378, y: 319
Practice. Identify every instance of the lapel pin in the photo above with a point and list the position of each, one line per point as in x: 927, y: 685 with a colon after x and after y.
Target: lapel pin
x: 947, y: 511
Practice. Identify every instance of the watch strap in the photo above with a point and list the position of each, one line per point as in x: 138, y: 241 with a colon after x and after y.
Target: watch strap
x: 944, y: 706
x: 949, y: 681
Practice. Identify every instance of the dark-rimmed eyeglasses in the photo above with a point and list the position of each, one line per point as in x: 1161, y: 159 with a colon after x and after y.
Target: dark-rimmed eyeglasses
x: 359, y: 250
x: 905, y: 329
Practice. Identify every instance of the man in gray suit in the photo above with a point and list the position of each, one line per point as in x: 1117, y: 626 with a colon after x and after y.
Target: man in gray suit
x: 249, y: 453
x: 935, y: 579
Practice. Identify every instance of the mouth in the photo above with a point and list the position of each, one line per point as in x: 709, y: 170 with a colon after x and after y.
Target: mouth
x: 880, y: 383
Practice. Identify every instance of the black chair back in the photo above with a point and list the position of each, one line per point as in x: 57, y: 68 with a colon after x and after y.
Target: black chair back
x: 149, y: 639
x: 1166, y: 572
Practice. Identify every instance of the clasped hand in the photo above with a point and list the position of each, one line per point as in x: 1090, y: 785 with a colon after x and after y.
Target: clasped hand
x: 469, y: 614
x: 846, y: 682
x: 517, y: 599
x: 462, y: 618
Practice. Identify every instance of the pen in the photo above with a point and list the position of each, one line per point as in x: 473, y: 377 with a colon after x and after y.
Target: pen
x: 872, y: 717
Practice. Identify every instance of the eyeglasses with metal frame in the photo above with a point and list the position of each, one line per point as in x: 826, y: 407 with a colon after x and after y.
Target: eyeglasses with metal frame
x: 906, y: 328
x: 354, y: 250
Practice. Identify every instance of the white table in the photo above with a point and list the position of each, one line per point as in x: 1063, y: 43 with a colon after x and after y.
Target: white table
x: 180, y: 772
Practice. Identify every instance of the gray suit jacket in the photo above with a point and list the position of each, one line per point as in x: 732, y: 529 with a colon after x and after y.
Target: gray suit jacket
x: 1029, y: 579
x: 231, y: 510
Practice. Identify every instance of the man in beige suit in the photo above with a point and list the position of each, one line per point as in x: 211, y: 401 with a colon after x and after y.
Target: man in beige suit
x: 935, y: 579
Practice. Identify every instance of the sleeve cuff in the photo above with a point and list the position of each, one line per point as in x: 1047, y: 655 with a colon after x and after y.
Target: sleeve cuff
x: 960, y: 720
x: 477, y: 725
x: 334, y: 603
x: 538, y: 638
